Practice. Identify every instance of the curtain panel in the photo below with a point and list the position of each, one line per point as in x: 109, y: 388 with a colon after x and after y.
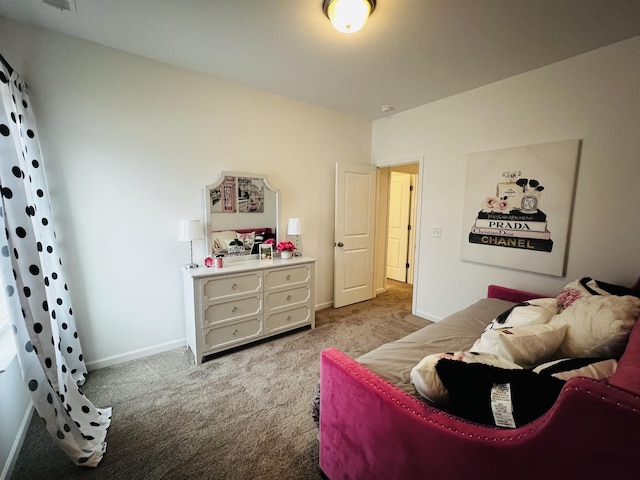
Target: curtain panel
x: 36, y: 293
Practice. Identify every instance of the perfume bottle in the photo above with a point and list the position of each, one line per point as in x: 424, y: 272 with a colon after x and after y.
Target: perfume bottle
x: 509, y: 190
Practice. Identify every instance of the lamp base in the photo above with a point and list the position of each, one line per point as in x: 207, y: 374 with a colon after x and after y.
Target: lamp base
x: 191, y: 265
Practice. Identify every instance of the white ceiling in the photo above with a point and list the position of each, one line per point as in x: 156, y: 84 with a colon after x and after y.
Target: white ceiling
x: 411, y: 52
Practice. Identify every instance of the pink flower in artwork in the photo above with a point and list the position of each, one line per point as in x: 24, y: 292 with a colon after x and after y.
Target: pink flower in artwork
x: 493, y: 204
x: 502, y: 206
x: 489, y: 203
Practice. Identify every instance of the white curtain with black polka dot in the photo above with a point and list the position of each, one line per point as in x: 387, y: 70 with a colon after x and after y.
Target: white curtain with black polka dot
x: 35, y: 290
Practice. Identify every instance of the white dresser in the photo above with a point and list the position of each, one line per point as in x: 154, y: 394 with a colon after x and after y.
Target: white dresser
x: 246, y: 301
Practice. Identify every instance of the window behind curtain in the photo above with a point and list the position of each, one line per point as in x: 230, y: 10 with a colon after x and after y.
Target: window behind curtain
x: 7, y: 347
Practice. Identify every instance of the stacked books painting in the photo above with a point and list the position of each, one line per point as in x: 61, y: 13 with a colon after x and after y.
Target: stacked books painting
x: 513, y: 218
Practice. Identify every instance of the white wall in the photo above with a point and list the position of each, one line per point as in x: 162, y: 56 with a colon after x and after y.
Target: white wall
x: 128, y: 145
x: 595, y: 97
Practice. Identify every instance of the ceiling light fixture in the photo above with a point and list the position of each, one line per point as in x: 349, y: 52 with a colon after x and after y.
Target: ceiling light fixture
x: 348, y: 16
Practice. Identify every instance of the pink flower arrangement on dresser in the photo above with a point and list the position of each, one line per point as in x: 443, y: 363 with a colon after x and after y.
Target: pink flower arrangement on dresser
x: 288, y: 246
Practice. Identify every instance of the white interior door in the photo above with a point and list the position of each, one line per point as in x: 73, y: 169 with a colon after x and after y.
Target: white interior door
x: 399, y: 221
x: 354, y: 234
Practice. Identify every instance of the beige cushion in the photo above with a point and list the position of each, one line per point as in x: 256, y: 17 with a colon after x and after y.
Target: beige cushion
x: 394, y: 360
x: 597, y: 326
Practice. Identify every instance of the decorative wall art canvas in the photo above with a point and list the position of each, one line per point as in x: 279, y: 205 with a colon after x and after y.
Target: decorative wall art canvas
x: 518, y: 205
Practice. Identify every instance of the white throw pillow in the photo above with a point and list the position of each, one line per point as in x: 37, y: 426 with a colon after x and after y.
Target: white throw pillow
x: 534, y: 312
x: 526, y: 346
x: 247, y: 239
x: 597, y: 370
x: 588, y: 287
x: 597, y: 326
x: 427, y: 382
x: 220, y: 240
x: 582, y: 288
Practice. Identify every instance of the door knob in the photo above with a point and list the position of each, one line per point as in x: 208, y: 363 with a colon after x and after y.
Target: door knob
x: 339, y: 244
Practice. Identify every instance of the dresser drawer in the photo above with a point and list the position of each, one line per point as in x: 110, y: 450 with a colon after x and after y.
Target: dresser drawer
x: 287, y: 276
x: 238, y: 332
x: 287, y: 298
x: 287, y: 320
x: 231, y: 286
x: 231, y: 309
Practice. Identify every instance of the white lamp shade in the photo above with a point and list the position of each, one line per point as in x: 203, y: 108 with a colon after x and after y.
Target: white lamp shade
x: 348, y: 16
x: 295, y: 226
x: 190, y: 230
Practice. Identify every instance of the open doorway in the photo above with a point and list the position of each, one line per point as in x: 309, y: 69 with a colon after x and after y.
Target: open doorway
x: 396, y: 225
x: 401, y: 226
x: 401, y: 215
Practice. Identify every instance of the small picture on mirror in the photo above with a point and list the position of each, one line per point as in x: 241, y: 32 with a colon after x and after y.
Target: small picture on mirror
x: 266, y: 252
x: 250, y: 195
x: 222, y: 199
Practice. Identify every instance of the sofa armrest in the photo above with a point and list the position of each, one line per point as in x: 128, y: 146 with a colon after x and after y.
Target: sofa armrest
x: 369, y: 428
x: 511, y: 294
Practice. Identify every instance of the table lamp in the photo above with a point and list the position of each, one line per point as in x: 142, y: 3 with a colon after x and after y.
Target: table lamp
x: 189, y: 231
x: 295, y: 226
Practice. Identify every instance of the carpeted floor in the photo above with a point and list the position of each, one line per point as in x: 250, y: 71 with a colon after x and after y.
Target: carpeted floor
x: 245, y: 414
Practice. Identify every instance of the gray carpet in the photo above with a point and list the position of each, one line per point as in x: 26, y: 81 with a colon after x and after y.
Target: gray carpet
x: 245, y: 414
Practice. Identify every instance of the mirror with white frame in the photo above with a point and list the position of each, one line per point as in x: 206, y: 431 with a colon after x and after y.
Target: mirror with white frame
x: 241, y: 210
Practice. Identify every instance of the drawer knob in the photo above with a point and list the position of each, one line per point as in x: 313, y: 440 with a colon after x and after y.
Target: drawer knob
x: 288, y: 298
x: 234, y: 309
x: 289, y: 318
x: 288, y: 277
x: 235, y: 332
x: 234, y: 286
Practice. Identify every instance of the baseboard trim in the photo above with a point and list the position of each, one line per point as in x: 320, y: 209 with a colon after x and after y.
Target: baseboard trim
x: 145, y: 352
x: 17, y: 443
x: 135, y: 354
x: 427, y: 315
x: 320, y: 306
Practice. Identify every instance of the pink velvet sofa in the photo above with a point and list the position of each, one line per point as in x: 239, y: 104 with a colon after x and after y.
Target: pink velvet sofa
x: 371, y: 429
